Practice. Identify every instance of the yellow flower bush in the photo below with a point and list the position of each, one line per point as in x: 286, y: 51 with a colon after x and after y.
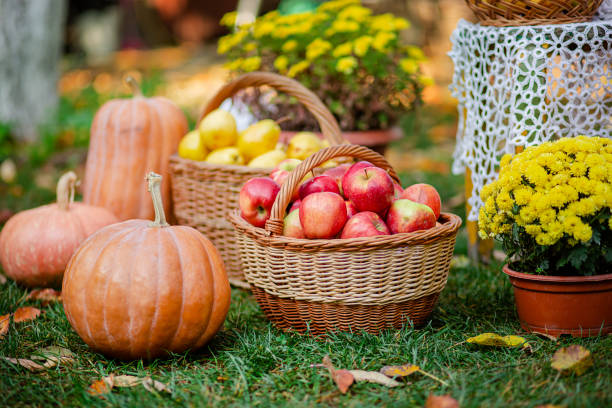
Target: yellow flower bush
x: 351, y: 58
x: 551, y: 205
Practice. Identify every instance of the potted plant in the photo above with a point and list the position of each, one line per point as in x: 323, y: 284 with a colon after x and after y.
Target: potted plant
x: 551, y: 210
x: 354, y: 61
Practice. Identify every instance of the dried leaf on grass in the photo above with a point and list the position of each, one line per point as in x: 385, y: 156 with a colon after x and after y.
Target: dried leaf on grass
x: 45, y: 358
x: 373, y: 377
x: 24, y: 362
x: 4, y: 324
x: 343, y: 378
x: 441, y: 401
x: 495, y: 340
x: 2, y: 279
x: 574, y: 359
x: 26, y: 313
x: 47, y: 295
x: 399, y: 371
x: 548, y: 336
x: 106, y: 384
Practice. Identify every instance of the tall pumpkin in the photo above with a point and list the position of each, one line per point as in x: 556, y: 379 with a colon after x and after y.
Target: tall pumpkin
x: 138, y: 289
x: 130, y: 137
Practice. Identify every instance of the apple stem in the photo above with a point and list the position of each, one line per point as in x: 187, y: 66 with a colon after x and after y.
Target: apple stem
x: 154, y: 187
x: 366, y: 171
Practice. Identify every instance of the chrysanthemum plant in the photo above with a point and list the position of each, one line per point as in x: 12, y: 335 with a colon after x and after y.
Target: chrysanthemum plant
x: 550, y: 207
x: 353, y: 60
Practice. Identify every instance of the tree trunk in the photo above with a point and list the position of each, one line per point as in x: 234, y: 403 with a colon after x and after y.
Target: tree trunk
x: 31, y: 36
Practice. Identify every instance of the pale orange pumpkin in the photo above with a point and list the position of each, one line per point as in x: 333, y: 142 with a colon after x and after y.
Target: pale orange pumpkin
x: 36, y: 244
x: 128, y: 138
x: 139, y: 289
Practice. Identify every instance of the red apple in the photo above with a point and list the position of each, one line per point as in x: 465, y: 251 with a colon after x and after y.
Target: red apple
x: 322, y: 215
x: 337, y: 173
x: 288, y: 164
x: 355, y: 167
x: 408, y: 216
x: 424, y: 194
x: 279, y: 176
x: 369, y: 189
x: 398, y: 190
x: 350, y: 209
x: 292, y: 226
x: 256, y: 199
x: 364, y: 224
x: 295, y: 205
x: 318, y: 184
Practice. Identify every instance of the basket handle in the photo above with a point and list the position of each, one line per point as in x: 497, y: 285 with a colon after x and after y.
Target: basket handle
x: 274, y: 224
x: 328, y: 124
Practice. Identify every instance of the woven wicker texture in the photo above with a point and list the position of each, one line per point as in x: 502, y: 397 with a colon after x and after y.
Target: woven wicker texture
x: 203, y: 193
x: 367, y: 284
x: 503, y: 13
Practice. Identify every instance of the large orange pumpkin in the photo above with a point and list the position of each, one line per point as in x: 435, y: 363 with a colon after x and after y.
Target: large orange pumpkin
x: 138, y: 289
x: 36, y: 244
x: 130, y: 137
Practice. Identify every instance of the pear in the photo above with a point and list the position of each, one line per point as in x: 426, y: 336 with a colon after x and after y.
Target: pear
x: 268, y: 160
x: 192, y: 146
x: 218, y: 129
x: 304, y: 144
x: 226, y: 155
x: 258, y: 139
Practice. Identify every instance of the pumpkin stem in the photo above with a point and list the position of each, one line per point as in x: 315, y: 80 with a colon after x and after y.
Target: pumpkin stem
x: 134, y: 85
x: 154, y: 187
x: 65, y: 190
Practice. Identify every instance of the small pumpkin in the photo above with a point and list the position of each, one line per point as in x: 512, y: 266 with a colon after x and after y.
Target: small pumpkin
x: 129, y: 137
x: 36, y: 244
x: 139, y: 289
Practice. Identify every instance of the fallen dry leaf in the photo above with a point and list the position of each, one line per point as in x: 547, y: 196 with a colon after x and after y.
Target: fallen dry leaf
x: 343, y: 378
x: 97, y: 388
x: 151, y: 385
x: 548, y: 336
x: 2, y: 277
x: 54, y: 355
x: 495, y: 340
x: 441, y: 401
x: 574, y: 358
x: 47, y: 295
x: 106, y: 384
x: 24, y: 362
x: 4, y: 324
x: 125, y: 380
x: 26, y: 313
x: 374, y: 377
x: 399, y: 370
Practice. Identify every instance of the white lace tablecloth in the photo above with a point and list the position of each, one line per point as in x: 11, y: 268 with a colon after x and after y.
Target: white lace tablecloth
x: 520, y: 86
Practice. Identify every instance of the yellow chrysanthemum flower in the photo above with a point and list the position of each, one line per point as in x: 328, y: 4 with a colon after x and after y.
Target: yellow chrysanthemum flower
x: 346, y: 65
x: 251, y: 64
x: 381, y: 40
x: 343, y: 50
x: 298, y: 68
x: 362, y: 45
x: 317, y: 48
x: 408, y: 65
x: 281, y: 63
x: 289, y: 46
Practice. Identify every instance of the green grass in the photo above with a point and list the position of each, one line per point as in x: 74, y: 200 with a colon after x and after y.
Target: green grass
x: 250, y: 363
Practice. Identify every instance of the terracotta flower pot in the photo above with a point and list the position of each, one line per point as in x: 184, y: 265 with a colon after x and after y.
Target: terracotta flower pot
x: 555, y: 305
x: 376, y: 140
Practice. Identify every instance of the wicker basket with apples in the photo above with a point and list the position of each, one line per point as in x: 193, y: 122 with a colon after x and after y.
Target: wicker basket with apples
x: 346, y: 250
x: 214, y: 161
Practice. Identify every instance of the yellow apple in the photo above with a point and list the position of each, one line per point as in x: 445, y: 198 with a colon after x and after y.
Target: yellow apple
x: 192, y: 146
x: 303, y: 145
x: 218, y: 129
x: 258, y: 139
x: 268, y: 160
x: 226, y: 155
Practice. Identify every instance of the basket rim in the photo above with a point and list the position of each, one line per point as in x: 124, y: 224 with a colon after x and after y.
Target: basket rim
x: 204, y: 165
x: 450, y: 224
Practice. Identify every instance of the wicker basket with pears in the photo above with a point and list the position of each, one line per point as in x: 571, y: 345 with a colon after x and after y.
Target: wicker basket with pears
x: 215, y: 160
